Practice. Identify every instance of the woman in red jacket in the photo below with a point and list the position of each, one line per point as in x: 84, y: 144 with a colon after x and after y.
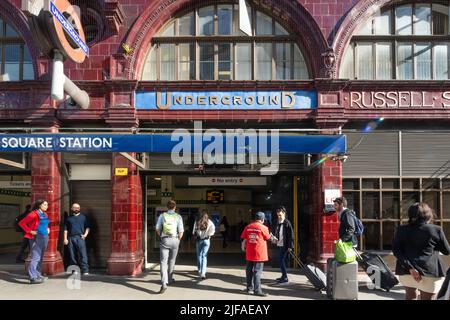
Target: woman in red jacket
x: 36, y: 230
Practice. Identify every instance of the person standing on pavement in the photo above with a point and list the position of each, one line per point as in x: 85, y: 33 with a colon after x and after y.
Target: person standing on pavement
x: 255, y: 236
x: 76, y: 230
x: 35, y: 226
x: 25, y: 242
x: 285, y: 234
x: 203, y: 230
x: 170, y: 228
x: 416, y: 247
x: 347, y: 225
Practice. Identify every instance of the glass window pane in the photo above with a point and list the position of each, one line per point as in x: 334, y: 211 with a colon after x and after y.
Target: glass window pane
x: 365, y: 60
x: 441, y: 61
x: 28, y: 71
x: 186, y: 68
x: 264, y: 61
x: 263, y: 24
x: 404, y: 62
x: 149, y: 72
x: 370, y: 183
x: 403, y: 20
x: 408, y: 199
x: 206, y: 61
x: 382, y: 23
x: 391, y: 183
x: 366, y: 28
x: 236, y: 30
x: 300, y: 69
x: 169, y: 31
x: 391, y: 205
x: 440, y: 19
x: 423, y: 61
x: 446, y: 184
x: 410, y: 183
x: 347, y: 67
x: 283, y: 61
x: 446, y: 228
x: 371, y: 236
x: 225, y: 16
x: 206, y: 21
x: 186, y: 25
x: 243, y: 61
x: 353, y: 201
x: 167, y: 52
x: 428, y: 184
x: 422, y: 23
x: 279, y: 30
x: 446, y: 205
x: 11, y: 32
x: 225, y: 61
x: 384, y: 61
x: 432, y: 199
x: 371, y: 207
x: 350, y: 184
x: 12, y: 61
x: 389, y: 229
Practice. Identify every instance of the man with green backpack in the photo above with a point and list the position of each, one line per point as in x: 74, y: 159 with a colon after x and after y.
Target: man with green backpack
x: 170, y: 228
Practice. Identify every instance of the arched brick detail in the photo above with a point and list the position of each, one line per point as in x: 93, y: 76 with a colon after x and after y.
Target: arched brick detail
x: 289, y: 12
x: 15, y: 17
x: 358, y: 15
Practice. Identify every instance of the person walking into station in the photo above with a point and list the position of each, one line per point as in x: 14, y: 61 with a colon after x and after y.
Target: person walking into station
x: 25, y: 241
x: 255, y: 236
x: 35, y: 225
x: 416, y: 247
x: 285, y: 234
x: 76, y: 230
x: 170, y: 228
x: 203, y: 230
x: 224, y: 227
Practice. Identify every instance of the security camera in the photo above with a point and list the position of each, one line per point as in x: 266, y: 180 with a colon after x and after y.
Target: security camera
x: 344, y: 158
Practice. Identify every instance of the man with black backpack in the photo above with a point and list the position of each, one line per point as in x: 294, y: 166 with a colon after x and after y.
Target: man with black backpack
x: 25, y: 242
x: 350, y: 226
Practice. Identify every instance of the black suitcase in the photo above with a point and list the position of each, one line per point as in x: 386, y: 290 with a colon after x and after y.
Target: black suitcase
x: 313, y: 273
x: 372, y: 263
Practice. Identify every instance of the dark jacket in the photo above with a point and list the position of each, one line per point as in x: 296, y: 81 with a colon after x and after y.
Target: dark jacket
x: 288, y: 233
x: 347, y: 227
x: 417, y: 246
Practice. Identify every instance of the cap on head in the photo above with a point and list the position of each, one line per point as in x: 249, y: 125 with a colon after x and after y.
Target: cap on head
x: 260, y: 216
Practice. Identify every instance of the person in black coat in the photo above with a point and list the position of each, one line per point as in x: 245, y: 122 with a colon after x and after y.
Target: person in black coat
x: 284, y: 233
x: 416, y: 247
x: 347, y: 225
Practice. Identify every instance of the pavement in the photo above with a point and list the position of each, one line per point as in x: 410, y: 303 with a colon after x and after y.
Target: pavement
x: 222, y: 283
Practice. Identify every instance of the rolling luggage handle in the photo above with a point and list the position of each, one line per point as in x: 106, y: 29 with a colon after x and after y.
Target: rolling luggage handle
x: 296, y: 259
x: 314, y: 275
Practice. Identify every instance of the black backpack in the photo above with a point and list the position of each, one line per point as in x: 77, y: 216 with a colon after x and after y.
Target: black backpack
x: 18, y: 219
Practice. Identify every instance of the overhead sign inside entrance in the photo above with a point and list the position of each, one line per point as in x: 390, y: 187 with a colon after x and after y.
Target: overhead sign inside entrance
x: 226, y: 100
x: 167, y: 143
x: 227, y: 181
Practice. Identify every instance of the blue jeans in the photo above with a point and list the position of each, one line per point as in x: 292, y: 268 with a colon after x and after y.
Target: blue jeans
x: 282, y: 251
x: 253, y: 274
x: 202, y: 253
x: 38, y: 245
x: 78, y: 246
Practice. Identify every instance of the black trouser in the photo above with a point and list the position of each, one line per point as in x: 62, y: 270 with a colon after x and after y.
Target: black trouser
x: 25, y: 243
x: 254, y: 274
x: 78, y: 246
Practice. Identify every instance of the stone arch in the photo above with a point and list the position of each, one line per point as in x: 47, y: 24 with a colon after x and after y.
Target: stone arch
x: 362, y: 11
x: 16, y: 18
x: 291, y: 13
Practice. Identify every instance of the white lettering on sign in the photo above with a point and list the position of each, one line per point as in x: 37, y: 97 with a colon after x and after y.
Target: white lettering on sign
x: 227, y: 181
x: 398, y: 99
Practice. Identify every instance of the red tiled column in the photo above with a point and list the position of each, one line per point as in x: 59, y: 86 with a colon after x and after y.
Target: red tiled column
x: 324, y: 228
x: 126, y: 220
x: 46, y: 184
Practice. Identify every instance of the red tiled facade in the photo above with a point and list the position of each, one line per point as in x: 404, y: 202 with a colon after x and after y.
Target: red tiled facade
x: 111, y: 77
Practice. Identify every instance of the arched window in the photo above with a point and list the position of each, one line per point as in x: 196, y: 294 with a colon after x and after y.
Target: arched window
x: 15, y: 59
x: 207, y: 44
x: 402, y: 41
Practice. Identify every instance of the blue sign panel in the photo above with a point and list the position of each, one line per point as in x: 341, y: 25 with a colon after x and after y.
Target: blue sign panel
x: 226, y: 100
x: 165, y: 143
x: 69, y: 29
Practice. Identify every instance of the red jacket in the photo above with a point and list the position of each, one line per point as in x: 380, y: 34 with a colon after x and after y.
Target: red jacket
x: 30, y: 223
x: 256, y: 234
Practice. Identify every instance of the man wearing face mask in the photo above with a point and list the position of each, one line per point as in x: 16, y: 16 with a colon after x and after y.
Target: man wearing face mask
x: 76, y: 229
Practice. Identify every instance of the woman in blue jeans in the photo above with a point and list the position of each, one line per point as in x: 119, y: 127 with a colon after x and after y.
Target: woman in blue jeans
x: 203, y: 230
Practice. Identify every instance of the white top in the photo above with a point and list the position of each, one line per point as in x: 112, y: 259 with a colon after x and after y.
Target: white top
x: 209, y: 232
x: 281, y: 237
